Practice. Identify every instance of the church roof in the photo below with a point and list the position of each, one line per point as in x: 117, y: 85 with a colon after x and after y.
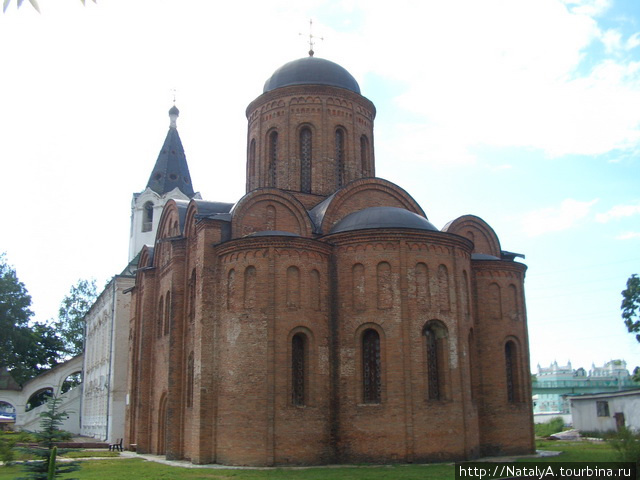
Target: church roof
x: 382, y: 217
x: 311, y: 71
x: 171, y: 169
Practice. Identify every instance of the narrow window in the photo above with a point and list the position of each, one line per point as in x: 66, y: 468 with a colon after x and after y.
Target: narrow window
x: 359, y: 300
x: 160, y: 324
x: 273, y: 159
x: 385, y: 286
x: 466, y: 302
x: 167, y: 314
x: 511, y: 361
x: 371, y: 374
x: 512, y: 305
x: 231, y: 290
x: 250, y: 287
x: 270, y: 218
x: 190, y: 377
x: 339, y: 157
x: 444, y: 298
x: 192, y: 297
x: 251, y: 180
x: 364, y: 156
x: 293, y: 287
x: 298, y: 369
x: 471, y: 361
x: 147, y: 218
x: 305, y: 160
x: 423, y: 295
x: 435, y: 346
x: 495, y: 302
x: 315, y: 290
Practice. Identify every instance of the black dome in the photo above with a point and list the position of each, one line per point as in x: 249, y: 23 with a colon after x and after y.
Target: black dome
x: 382, y: 217
x: 311, y: 71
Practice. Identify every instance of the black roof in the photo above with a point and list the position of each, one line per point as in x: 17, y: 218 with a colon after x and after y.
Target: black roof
x: 382, y: 217
x: 311, y: 71
x: 171, y: 169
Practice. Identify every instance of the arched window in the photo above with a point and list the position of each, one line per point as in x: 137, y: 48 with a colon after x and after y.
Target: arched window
x: 298, y: 369
x: 512, y: 372
x: 160, y: 324
x: 365, y: 156
x: 190, y: 377
x: 147, y: 218
x: 305, y: 160
x: 38, y: 398
x: 435, y: 347
x: 167, y: 313
x: 371, y: 367
x: 339, y: 140
x: 273, y: 159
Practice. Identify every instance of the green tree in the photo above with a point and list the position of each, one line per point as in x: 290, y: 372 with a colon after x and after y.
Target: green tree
x: 74, y: 306
x: 50, y: 433
x: 26, y: 348
x: 631, y: 305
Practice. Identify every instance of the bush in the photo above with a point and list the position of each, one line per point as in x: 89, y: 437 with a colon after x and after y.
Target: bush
x: 555, y: 425
x: 626, y: 443
x: 7, y: 454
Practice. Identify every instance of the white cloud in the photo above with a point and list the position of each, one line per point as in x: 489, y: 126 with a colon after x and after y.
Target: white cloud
x: 493, y: 85
x: 555, y: 219
x: 628, y: 236
x: 612, y: 40
x: 633, y: 41
x: 588, y: 7
x: 617, y: 212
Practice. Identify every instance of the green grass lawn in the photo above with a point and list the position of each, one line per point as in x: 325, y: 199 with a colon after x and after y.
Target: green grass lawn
x: 139, y: 469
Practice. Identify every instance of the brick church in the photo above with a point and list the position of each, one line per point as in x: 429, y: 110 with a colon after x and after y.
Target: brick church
x: 322, y: 318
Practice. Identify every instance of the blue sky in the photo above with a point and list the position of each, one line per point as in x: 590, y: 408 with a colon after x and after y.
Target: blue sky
x: 523, y: 112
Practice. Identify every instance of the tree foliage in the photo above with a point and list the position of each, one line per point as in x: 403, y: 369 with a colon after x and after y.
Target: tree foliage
x: 50, y: 433
x: 74, y: 306
x: 26, y: 348
x: 631, y: 305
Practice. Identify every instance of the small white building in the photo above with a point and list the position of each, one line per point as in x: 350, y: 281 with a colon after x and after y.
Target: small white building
x: 605, y: 412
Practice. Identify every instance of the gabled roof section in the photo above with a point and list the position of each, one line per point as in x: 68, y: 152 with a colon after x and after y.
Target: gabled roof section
x: 171, y: 169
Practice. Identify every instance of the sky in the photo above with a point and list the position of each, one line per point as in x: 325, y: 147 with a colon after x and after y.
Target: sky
x: 523, y: 112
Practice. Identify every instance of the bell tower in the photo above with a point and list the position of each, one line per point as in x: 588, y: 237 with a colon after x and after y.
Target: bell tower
x: 169, y: 179
x: 310, y: 132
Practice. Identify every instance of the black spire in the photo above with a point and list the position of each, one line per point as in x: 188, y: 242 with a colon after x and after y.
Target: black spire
x: 171, y: 169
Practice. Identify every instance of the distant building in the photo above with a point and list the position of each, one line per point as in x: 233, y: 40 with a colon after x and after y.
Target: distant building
x: 553, y: 385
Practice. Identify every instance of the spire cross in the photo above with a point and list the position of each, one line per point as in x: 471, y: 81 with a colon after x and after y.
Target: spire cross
x: 173, y: 92
x: 311, y: 37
